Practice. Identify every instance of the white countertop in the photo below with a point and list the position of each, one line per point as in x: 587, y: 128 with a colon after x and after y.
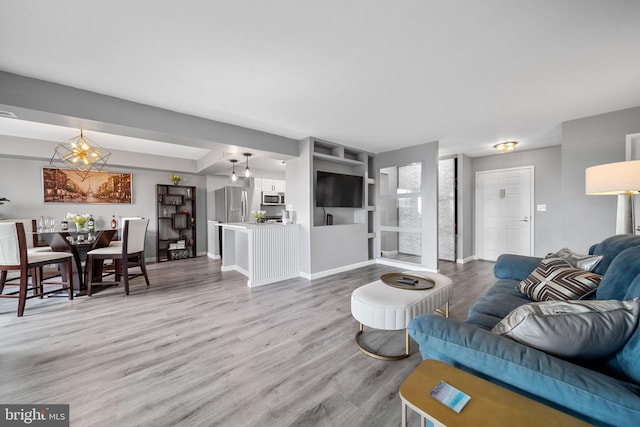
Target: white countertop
x: 250, y: 225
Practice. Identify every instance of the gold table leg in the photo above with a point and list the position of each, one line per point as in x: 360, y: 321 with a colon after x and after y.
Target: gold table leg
x: 371, y: 353
x: 445, y: 313
x: 375, y: 355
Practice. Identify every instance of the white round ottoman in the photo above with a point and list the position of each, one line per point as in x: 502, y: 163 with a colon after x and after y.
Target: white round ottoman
x: 380, y: 306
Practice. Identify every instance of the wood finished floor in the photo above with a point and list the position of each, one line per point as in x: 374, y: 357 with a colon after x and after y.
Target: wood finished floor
x: 200, y: 348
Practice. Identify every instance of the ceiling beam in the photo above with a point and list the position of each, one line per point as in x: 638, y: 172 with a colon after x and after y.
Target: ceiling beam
x: 46, y: 102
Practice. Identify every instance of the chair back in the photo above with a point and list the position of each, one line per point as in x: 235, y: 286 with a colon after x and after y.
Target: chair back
x: 30, y: 228
x: 12, y: 243
x: 123, y: 220
x: 135, y: 231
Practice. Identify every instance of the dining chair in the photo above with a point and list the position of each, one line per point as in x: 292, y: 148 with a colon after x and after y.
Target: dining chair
x: 14, y: 256
x: 123, y: 220
x: 128, y: 255
x: 30, y: 228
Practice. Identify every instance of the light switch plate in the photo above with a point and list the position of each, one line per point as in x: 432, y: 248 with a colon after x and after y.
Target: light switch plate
x: 541, y: 208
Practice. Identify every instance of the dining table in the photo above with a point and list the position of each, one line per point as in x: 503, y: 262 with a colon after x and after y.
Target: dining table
x: 79, y: 243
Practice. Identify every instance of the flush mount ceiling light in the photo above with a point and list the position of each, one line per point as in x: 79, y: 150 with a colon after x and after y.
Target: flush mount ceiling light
x: 82, y: 155
x: 505, y: 147
x: 247, y: 171
x: 234, y: 177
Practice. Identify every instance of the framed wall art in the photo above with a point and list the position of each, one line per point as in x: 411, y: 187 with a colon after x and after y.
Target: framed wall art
x: 65, y: 186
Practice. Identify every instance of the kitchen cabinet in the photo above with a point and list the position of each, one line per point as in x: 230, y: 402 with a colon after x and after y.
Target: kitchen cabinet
x: 273, y: 185
x: 265, y: 253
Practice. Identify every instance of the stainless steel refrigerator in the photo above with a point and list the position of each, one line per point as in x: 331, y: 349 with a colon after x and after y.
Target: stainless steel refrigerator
x: 232, y: 204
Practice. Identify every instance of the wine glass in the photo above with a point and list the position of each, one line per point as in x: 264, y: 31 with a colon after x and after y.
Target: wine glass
x: 51, y: 222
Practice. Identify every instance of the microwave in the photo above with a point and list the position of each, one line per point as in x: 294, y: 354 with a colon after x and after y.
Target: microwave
x: 272, y: 198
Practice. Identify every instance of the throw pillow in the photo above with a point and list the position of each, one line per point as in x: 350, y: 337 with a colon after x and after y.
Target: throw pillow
x: 572, y: 329
x: 555, y: 279
x: 583, y: 262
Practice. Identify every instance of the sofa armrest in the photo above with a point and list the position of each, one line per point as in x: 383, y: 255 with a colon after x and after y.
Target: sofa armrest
x: 596, y: 397
x: 515, y: 267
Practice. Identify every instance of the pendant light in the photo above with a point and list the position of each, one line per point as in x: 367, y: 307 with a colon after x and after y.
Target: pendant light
x: 82, y: 155
x: 247, y: 172
x: 234, y: 177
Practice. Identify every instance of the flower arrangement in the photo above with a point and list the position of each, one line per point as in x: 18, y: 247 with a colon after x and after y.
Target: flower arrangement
x: 175, y: 178
x: 258, y: 215
x: 79, y: 220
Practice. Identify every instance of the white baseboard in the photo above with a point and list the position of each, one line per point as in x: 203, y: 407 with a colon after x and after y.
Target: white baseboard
x: 344, y: 268
x: 465, y: 260
x: 272, y: 280
x: 213, y: 256
x: 404, y: 265
x: 234, y: 268
x: 389, y: 253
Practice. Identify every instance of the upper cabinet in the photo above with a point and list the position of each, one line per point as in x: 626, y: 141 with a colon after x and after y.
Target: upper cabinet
x: 272, y: 185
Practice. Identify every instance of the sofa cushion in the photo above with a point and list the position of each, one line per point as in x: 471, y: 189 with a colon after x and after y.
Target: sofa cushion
x: 573, y: 329
x: 633, y: 290
x: 514, y: 267
x: 555, y: 279
x: 626, y: 360
x: 583, y: 262
x: 610, y: 247
x: 498, y: 301
x: 620, y: 274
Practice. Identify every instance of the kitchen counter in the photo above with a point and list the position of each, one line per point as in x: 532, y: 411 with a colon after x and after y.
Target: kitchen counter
x: 247, y: 225
x: 265, y: 253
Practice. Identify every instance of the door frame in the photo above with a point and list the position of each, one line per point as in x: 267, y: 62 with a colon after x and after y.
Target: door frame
x: 532, y: 233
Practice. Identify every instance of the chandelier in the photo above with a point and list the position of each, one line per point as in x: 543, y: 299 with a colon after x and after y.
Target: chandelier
x: 82, y: 155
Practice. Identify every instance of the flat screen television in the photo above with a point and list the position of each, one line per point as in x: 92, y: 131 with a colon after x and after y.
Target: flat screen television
x: 338, y: 190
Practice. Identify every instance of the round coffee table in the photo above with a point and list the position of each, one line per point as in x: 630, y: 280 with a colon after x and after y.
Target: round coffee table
x: 380, y: 306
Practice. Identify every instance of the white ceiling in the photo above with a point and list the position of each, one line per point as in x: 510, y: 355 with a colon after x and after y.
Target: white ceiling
x: 372, y: 74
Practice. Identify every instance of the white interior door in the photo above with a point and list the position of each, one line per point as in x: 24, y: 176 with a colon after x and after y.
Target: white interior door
x: 504, y: 220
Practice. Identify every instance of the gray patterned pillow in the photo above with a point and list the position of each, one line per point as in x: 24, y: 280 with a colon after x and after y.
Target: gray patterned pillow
x: 575, y: 329
x: 555, y: 279
x: 583, y: 262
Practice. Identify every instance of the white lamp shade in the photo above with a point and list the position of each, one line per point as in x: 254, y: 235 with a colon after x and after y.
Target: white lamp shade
x: 613, y: 178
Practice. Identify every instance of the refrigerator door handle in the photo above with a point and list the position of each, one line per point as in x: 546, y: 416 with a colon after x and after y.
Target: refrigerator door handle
x: 243, y: 199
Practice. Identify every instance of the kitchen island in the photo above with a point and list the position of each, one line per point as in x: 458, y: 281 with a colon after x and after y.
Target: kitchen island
x: 265, y: 253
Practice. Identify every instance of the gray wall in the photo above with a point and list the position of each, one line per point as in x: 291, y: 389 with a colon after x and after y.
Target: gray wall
x: 22, y: 184
x: 587, y: 142
x: 428, y: 155
x: 345, y: 242
x: 298, y: 176
x: 547, y: 179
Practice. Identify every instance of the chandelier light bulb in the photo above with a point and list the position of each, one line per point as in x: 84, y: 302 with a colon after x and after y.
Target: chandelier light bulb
x: 234, y: 177
x: 247, y: 171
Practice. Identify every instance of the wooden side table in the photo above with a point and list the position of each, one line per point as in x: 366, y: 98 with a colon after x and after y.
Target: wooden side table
x: 490, y: 404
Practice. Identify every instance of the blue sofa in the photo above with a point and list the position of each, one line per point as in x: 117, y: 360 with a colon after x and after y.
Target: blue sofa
x: 602, y: 392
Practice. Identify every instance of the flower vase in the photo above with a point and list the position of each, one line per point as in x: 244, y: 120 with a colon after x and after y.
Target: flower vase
x: 261, y: 220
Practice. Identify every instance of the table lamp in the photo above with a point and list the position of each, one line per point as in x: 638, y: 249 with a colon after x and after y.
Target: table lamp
x: 621, y: 179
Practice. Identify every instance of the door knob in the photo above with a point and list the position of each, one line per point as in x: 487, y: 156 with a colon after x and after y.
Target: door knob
x: 525, y: 219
